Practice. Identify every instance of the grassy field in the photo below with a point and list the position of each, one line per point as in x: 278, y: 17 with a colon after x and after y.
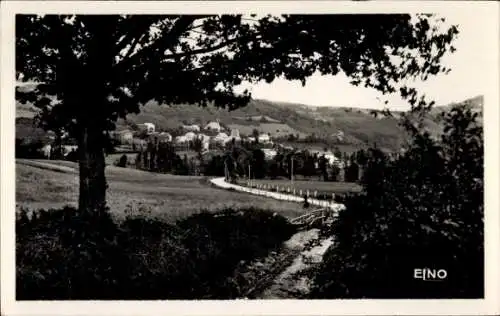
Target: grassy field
x: 312, y: 185
x: 53, y: 184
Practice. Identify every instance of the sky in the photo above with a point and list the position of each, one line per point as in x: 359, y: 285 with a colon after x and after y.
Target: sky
x: 463, y: 82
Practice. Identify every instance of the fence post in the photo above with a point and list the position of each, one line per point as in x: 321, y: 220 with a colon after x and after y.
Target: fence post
x: 333, y: 196
x: 300, y: 192
x: 307, y: 193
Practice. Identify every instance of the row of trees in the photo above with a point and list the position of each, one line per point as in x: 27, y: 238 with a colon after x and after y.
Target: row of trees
x: 247, y: 159
x: 161, y: 157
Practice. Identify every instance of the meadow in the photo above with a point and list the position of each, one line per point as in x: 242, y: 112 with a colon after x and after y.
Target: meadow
x: 44, y: 184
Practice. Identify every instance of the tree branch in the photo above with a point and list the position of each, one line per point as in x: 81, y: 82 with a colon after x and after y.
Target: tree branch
x: 206, y: 50
x: 167, y: 39
x: 133, y: 45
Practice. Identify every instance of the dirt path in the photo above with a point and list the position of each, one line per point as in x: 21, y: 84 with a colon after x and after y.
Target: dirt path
x: 275, y: 277
x: 291, y: 283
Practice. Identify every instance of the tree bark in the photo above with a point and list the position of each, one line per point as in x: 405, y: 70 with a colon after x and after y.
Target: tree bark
x: 92, y: 163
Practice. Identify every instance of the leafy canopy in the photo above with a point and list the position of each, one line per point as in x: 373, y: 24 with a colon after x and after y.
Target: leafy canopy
x: 103, y: 67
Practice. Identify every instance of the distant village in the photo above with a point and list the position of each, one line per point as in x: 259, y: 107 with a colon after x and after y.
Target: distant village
x: 213, y: 136
x: 204, y: 149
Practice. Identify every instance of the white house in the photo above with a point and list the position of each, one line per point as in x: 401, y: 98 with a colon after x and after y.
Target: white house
x: 264, y: 138
x: 148, y: 127
x: 204, y: 138
x: 181, y: 139
x: 191, y: 128
x: 206, y: 146
x: 214, y: 126
x: 190, y: 136
x: 269, y: 153
x: 221, y: 138
x: 235, y: 133
x: 46, y: 151
x: 164, y: 137
x: 330, y: 157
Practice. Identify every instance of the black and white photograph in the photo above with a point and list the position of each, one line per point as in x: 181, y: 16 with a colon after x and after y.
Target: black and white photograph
x: 251, y: 153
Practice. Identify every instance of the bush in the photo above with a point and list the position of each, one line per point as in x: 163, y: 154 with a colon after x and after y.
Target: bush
x: 68, y: 254
x: 72, y: 156
x: 29, y: 149
x: 423, y: 210
x: 122, y: 162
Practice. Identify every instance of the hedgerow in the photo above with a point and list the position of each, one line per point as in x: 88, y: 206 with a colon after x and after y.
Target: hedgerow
x: 68, y: 254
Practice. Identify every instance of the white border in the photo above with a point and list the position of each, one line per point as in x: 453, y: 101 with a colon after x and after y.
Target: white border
x: 483, y: 12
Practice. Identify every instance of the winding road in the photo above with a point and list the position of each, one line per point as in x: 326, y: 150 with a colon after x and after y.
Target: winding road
x: 221, y: 183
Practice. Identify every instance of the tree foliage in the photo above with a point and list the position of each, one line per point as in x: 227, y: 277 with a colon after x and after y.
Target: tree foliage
x: 422, y: 210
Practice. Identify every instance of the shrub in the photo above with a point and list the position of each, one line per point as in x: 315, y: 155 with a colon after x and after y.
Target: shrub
x: 72, y: 156
x: 68, y: 254
x: 423, y: 210
x: 122, y: 162
x: 28, y: 149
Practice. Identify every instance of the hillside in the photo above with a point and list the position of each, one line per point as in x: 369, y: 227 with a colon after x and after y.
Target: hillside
x: 360, y: 128
x: 277, y: 119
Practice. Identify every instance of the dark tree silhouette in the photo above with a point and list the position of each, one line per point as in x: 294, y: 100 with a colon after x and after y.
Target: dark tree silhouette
x: 323, y: 167
x: 197, y: 146
x: 259, y: 165
x: 255, y: 134
x: 100, y: 68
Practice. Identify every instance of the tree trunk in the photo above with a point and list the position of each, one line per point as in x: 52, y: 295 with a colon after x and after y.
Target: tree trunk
x: 92, y: 178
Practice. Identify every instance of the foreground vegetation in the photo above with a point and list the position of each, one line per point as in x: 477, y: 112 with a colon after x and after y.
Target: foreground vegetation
x: 423, y: 210
x: 69, y: 254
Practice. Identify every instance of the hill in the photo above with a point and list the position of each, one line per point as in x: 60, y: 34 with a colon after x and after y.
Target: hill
x: 358, y: 127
